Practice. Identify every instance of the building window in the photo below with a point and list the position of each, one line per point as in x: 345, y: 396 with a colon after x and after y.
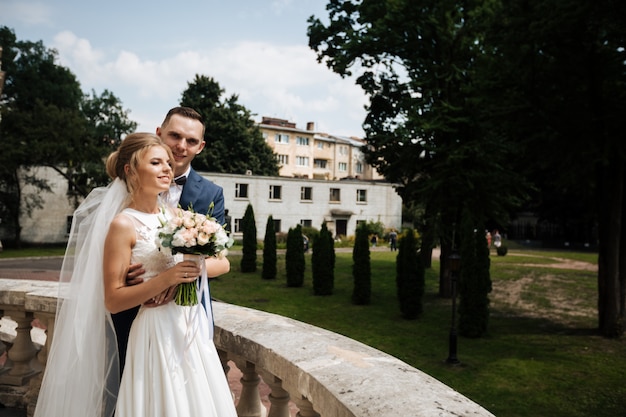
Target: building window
x: 319, y: 144
x: 335, y: 194
x: 302, y: 161
x: 361, y: 196
x: 343, y: 150
x: 358, y: 167
x: 342, y: 166
x: 302, y: 141
x: 306, y: 223
x: 275, y: 191
x: 319, y: 163
x: 276, y: 225
x: 283, y: 159
x: 237, y: 226
x: 241, y: 190
x: 306, y: 193
x: 281, y: 138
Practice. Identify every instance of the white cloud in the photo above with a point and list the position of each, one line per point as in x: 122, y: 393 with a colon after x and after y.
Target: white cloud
x: 270, y: 80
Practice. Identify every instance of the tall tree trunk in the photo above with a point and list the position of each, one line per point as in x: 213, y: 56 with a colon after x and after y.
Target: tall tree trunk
x: 610, y: 290
x: 428, y: 238
x: 449, y: 238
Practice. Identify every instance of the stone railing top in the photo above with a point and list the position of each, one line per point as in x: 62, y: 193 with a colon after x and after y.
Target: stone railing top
x: 29, y: 295
x: 338, y: 375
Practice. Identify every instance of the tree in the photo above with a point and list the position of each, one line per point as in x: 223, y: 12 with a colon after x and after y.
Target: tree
x: 294, y: 257
x: 560, y: 90
x: 409, y: 276
x: 422, y: 126
x: 234, y: 144
x: 475, y: 280
x: 248, y: 257
x: 44, y: 116
x: 323, y: 262
x: 361, y: 268
x: 107, y: 123
x: 269, y: 251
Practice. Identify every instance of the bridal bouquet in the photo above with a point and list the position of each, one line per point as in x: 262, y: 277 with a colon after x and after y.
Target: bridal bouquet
x: 194, y: 235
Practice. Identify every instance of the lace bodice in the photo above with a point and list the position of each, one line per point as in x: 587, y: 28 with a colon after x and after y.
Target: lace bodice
x: 146, y: 250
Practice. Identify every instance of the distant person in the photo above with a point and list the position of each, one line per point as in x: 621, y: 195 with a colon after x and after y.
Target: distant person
x: 227, y: 221
x: 305, y: 241
x: 497, y: 239
x: 374, y: 240
x: 488, y: 237
x: 393, y: 240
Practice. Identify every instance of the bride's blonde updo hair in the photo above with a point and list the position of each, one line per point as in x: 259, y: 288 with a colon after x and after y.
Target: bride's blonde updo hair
x: 130, y: 151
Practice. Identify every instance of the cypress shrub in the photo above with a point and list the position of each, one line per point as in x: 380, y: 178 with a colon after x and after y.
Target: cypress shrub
x: 323, y: 263
x: 475, y: 282
x: 269, y: 251
x: 361, y: 268
x: 248, y: 225
x: 294, y: 257
x: 409, y: 276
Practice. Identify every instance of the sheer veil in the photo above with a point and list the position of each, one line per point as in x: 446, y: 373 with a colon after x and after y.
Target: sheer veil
x: 82, y: 373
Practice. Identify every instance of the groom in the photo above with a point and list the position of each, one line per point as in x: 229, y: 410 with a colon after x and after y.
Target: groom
x: 183, y: 131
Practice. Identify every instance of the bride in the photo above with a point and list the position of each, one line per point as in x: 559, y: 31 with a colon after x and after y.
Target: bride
x: 172, y: 366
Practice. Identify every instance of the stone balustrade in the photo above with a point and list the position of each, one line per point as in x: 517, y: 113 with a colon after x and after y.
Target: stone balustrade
x: 323, y: 373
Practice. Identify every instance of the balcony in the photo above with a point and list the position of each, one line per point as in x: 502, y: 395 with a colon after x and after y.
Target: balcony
x: 307, y: 371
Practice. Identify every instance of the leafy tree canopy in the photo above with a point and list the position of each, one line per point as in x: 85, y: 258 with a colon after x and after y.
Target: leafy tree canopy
x: 234, y: 144
x: 46, y: 120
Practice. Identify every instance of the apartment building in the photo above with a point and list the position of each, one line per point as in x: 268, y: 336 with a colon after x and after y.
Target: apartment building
x: 305, y: 153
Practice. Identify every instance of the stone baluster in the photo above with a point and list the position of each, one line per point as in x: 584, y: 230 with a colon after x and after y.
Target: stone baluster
x: 22, y: 351
x: 3, y: 351
x: 279, y: 398
x: 46, y: 320
x: 306, y: 408
x: 250, y: 400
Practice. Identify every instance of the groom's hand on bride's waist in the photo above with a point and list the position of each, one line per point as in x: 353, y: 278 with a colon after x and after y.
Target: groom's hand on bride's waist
x: 162, y: 299
x: 134, y: 274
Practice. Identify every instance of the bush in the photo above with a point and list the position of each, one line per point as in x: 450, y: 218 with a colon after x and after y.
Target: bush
x: 248, y: 258
x: 361, y: 268
x: 269, y: 251
x: 410, y: 276
x: 323, y: 262
x: 294, y: 257
x: 474, y: 283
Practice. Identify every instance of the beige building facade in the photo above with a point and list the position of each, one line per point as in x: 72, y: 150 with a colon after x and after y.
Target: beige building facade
x: 305, y: 153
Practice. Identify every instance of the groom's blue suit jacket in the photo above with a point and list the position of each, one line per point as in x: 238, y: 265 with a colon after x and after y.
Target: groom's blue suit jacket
x: 201, y: 193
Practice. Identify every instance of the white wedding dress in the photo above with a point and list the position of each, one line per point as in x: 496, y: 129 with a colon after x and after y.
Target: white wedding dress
x: 172, y: 367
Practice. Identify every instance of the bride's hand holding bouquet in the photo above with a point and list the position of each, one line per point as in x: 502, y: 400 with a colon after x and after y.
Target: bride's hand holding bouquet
x: 196, y: 236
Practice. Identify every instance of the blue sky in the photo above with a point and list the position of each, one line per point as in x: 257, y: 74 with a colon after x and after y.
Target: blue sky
x: 146, y: 52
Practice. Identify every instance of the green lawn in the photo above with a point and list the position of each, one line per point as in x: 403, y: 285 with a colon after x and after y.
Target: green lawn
x: 540, y: 358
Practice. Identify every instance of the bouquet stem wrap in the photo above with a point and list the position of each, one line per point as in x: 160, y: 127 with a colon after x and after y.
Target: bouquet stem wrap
x: 187, y: 294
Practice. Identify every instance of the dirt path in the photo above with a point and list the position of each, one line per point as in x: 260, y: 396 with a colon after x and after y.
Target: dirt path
x: 548, y: 296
